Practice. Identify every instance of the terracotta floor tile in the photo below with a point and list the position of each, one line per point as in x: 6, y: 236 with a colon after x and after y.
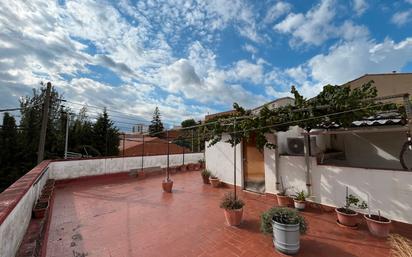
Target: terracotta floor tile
x: 125, y: 217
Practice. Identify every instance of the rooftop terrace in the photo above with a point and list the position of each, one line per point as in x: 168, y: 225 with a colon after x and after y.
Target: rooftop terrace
x: 122, y: 216
x: 115, y: 214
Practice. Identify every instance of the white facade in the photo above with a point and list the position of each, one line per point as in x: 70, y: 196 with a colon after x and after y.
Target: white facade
x: 389, y: 191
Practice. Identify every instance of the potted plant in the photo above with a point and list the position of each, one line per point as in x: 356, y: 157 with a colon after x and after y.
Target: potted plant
x: 167, y: 183
x: 299, y: 199
x: 286, y: 225
x: 283, y: 199
x: 347, y: 216
x: 39, y: 209
x: 183, y: 167
x: 205, y: 176
x: 202, y: 163
x: 378, y: 225
x: 214, y: 181
x: 233, y: 208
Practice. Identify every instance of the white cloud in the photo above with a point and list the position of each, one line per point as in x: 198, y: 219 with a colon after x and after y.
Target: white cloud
x: 349, y: 60
x: 360, y: 6
x: 276, y: 11
x: 314, y: 27
x: 249, y: 48
x: 318, y: 25
x: 401, y: 18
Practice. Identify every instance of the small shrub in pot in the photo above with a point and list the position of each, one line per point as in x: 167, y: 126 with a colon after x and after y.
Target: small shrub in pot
x: 286, y: 224
x: 214, y: 181
x: 378, y: 225
x: 299, y: 199
x: 205, y: 176
x: 233, y: 208
x: 346, y: 215
x: 283, y: 199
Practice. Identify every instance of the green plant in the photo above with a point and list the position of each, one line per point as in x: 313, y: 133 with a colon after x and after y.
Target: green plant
x: 201, y: 161
x: 229, y: 202
x: 281, y: 215
x: 336, y: 105
x: 206, y: 173
x: 353, y: 201
x: 300, y: 196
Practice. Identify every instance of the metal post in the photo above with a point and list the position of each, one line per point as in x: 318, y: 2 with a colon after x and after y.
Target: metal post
x: 184, y: 148
x: 307, y: 160
x: 198, y: 142
x: 124, y: 140
x: 234, y: 157
x: 66, y: 142
x: 192, y: 140
x: 142, y: 151
x: 167, y: 169
x: 408, y: 110
x: 43, y: 131
x: 277, y: 162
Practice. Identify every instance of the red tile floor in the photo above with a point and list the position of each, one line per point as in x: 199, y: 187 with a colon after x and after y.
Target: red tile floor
x: 128, y: 217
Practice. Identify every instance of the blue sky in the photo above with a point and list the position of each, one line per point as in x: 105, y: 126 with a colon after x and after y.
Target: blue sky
x: 193, y: 57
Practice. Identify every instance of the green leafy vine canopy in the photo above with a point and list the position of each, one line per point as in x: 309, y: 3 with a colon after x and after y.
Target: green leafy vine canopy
x: 335, y: 106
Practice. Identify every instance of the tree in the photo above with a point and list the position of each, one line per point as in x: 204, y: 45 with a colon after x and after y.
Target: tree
x: 106, y: 136
x: 156, y: 125
x: 9, y: 152
x: 188, y: 123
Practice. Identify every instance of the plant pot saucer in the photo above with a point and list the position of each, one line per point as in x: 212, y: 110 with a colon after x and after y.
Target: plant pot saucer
x: 347, y: 227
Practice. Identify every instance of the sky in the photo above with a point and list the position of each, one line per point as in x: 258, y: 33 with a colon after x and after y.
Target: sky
x: 192, y: 57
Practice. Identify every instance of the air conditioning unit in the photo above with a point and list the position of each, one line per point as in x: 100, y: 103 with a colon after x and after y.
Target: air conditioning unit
x: 296, y: 146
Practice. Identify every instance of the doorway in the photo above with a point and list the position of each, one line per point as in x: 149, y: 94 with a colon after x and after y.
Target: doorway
x: 253, y: 166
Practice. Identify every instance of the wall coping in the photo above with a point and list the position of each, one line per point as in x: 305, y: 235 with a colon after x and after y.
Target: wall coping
x: 10, y: 197
x: 117, y: 157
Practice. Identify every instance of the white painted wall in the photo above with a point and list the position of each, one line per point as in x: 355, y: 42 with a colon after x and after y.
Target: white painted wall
x: 220, y: 159
x: 14, y: 227
x: 388, y: 191
x: 92, y: 167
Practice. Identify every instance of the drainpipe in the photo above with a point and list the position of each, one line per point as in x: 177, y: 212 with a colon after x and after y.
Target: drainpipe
x: 277, y: 161
x: 307, y: 160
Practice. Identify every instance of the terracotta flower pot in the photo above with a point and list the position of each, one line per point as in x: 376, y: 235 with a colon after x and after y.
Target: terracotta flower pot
x: 39, y: 209
x: 167, y: 186
x: 205, y: 179
x: 234, y: 217
x: 215, y: 182
x: 378, y: 227
x: 183, y: 168
x: 300, y: 205
x: 284, y: 200
x: 347, y: 219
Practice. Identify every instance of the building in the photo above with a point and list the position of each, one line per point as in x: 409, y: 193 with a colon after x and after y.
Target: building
x: 133, y: 145
x: 364, y: 157
x: 140, y: 128
x: 387, y: 84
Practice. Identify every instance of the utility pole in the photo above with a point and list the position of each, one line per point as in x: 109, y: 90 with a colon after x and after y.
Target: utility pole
x: 42, y: 142
x: 66, y: 143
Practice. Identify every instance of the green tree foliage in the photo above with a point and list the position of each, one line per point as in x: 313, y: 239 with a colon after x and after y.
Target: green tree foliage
x: 334, y: 106
x: 18, y: 148
x: 191, y: 137
x: 188, y: 123
x: 156, y: 125
x: 9, y: 151
x: 105, y: 136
